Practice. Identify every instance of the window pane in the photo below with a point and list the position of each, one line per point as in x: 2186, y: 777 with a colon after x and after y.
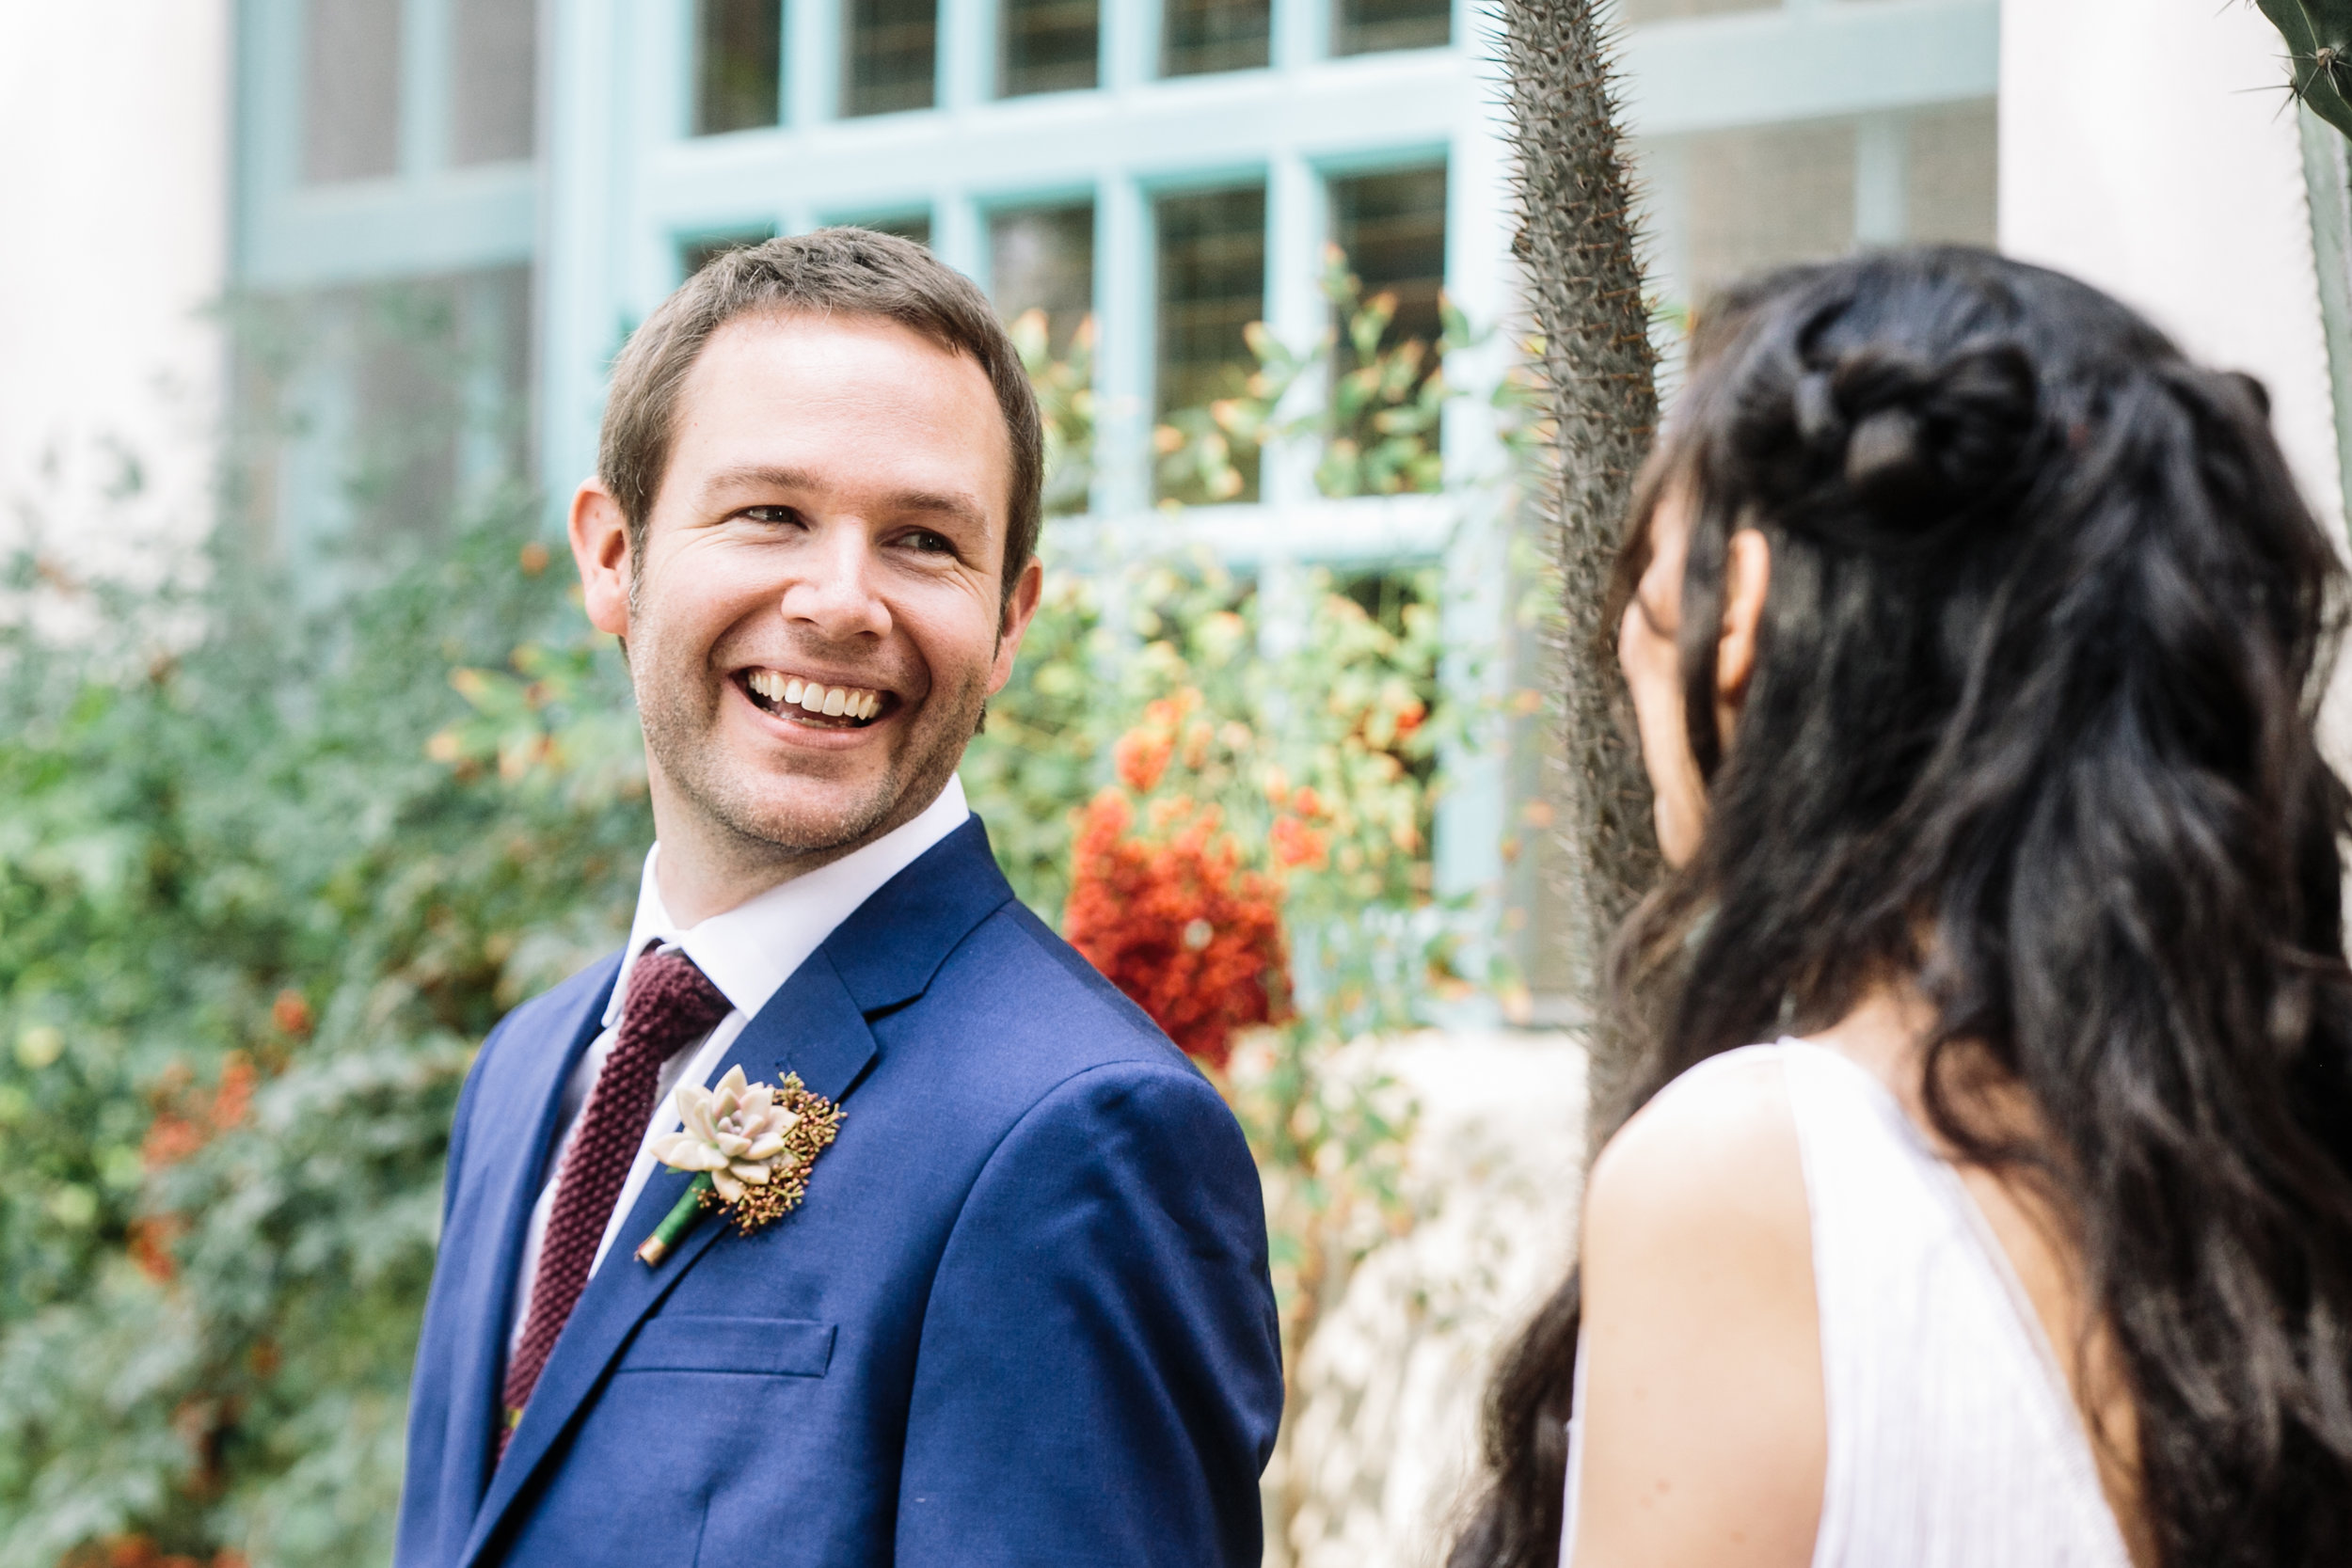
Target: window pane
x: 1042, y: 258
x: 350, y: 90
x: 1362, y: 26
x: 1216, y: 35
x: 1211, y: 286
x: 1764, y: 197
x: 493, y: 79
x: 1048, y: 45
x: 439, y: 398
x: 1391, y: 229
x: 738, y: 49
x: 893, y: 49
x: 699, y: 252
x: 1952, y: 178
x: 1640, y: 11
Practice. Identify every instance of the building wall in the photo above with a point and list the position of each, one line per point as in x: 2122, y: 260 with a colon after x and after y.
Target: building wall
x: 114, y: 209
x: 2148, y: 147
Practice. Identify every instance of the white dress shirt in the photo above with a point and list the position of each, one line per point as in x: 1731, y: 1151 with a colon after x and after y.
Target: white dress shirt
x: 748, y: 953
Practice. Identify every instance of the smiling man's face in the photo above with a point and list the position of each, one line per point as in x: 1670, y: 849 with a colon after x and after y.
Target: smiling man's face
x: 818, y: 614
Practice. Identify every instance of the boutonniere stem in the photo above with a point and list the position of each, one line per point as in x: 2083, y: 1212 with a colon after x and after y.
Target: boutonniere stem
x: 749, y: 1147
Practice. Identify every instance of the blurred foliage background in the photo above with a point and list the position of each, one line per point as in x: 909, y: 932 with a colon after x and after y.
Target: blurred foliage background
x: 274, y: 858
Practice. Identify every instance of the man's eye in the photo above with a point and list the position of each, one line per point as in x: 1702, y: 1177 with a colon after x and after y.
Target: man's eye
x: 923, y: 539
x: 771, y: 514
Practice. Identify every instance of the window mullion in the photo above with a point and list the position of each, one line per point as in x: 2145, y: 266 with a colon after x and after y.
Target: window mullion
x: 812, y: 57
x: 1297, y: 313
x: 1123, y: 359
x: 424, y: 87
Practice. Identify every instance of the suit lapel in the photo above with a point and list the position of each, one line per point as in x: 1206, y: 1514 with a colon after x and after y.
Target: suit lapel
x: 511, y: 1172
x: 811, y: 1026
x: 816, y: 1025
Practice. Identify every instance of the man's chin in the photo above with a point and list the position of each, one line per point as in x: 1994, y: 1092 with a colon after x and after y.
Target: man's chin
x: 820, y: 827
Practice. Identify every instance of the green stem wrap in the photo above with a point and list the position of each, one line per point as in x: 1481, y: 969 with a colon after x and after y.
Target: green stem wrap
x: 680, y: 1219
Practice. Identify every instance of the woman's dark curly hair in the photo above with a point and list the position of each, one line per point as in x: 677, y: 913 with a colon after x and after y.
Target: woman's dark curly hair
x: 2032, y: 720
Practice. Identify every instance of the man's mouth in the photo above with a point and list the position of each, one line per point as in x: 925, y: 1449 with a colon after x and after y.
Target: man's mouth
x: 815, y: 703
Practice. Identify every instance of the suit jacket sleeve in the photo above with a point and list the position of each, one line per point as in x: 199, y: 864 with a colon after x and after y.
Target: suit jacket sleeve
x: 1100, y: 1372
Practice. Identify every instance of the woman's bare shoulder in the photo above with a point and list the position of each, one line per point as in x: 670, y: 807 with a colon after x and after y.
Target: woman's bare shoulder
x: 1703, y: 1381
x: 1715, y: 1146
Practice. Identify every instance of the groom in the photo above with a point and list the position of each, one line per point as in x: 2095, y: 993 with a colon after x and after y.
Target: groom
x: 1021, y: 1315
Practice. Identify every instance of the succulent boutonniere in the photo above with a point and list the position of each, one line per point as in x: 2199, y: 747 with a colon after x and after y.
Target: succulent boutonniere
x: 749, y: 1146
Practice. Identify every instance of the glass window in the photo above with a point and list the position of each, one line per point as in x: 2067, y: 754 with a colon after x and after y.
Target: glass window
x: 739, y: 56
x: 1391, y: 229
x: 350, y: 90
x: 439, y: 392
x: 494, y: 73
x: 1951, y: 179
x: 893, y: 48
x: 1047, y: 45
x: 1764, y: 197
x: 1215, y: 35
x: 1364, y: 27
x: 1638, y: 12
x: 1211, y: 286
x: 702, y: 249
x: 1042, y: 258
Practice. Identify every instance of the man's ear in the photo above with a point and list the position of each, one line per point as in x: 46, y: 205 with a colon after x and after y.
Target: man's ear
x: 1019, y: 608
x: 1747, y: 580
x: 600, y: 546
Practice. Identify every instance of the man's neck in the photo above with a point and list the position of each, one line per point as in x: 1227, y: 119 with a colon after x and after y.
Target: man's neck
x: 706, y: 868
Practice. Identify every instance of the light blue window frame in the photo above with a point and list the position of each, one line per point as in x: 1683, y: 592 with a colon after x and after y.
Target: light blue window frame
x: 428, y: 218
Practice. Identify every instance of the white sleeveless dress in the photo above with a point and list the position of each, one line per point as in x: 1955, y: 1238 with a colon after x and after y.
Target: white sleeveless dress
x: 1953, y: 1441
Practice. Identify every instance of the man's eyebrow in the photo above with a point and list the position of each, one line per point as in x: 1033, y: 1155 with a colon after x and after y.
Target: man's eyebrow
x: 758, y: 476
x: 761, y: 477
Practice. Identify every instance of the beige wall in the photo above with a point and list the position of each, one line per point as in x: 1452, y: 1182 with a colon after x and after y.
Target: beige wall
x: 114, y: 211
x: 2148, y: 147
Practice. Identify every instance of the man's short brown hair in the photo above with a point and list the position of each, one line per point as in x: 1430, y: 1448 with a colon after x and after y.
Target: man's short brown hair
x: 852, y: 272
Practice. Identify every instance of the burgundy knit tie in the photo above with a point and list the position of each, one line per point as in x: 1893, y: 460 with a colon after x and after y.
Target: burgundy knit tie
x: 671, y: 1004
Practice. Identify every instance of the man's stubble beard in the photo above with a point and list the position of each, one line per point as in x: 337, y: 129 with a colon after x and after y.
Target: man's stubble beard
x: 758, y: 832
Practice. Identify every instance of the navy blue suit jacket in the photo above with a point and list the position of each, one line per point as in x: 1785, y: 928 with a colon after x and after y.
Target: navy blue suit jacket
x: 1022, y: 1316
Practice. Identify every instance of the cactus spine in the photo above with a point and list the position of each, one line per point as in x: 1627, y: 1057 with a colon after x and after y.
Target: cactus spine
x: 2318, y: 34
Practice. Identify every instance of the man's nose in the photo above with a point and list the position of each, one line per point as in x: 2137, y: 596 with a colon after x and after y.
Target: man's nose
x: 837, y: 596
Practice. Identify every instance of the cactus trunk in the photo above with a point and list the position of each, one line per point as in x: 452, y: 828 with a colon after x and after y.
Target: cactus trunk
x: 1576, y: 240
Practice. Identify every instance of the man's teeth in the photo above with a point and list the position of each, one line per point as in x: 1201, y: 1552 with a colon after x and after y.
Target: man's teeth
x: 838, y: 702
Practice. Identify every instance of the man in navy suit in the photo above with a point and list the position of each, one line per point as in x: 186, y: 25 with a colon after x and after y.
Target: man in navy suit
x: 1021, y: 1315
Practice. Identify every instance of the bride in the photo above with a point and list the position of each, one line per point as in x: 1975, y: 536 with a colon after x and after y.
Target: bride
x: 1972, y: 635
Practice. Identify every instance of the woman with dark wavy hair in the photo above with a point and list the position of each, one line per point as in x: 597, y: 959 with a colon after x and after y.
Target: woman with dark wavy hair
x: 1973, y: 637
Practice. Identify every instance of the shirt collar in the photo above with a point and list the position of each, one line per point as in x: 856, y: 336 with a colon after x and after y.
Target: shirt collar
x: 752, y: 949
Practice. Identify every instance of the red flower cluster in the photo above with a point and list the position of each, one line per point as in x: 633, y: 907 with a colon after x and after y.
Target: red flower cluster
x: 1176, y: 923
x: 186, y: 1120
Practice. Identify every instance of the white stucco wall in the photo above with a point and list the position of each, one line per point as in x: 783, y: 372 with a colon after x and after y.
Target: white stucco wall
x: 2147, y: 145
x: 114, y: 215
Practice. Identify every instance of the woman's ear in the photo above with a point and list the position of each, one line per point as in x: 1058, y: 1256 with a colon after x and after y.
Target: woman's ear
x: 1747, y: 578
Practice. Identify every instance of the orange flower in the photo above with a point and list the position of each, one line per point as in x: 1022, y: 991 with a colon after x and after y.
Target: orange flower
x: 1178, y: 925
x: 151, y: 1236
x: 235, y: 1094
x: 1296, y: 843
x: 169, y: 1140
x: 290, y: 1012
x: 1141, y: 757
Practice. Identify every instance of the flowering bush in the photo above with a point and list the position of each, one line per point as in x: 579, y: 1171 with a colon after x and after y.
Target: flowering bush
x: 1175, y: 922
x: 250, y: 935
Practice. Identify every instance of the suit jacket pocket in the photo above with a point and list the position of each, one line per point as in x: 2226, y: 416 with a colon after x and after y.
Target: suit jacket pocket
x: 770, y: 1347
